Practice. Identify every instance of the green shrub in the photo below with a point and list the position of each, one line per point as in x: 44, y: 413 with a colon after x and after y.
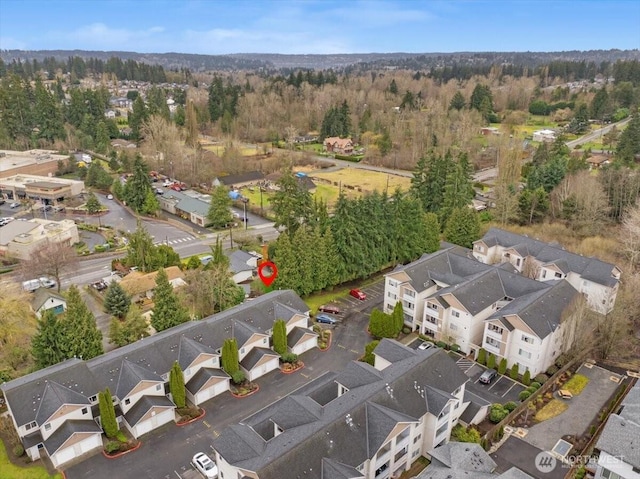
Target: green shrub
x: 112, y: 446
x: 406, y: 330
x: 526, y: 378
x: 18, y: 450
x: 498, y: 434
x: 455, y: 347
x: 541, y: 378
x: 562, y: 360
x: 289, y: 358
x: 580, y: 473
x: 524, y: 395
x: 491, y: 361
x: 497, y: 413
x: 441, y: 344
x: 482, y: 356
x: 513, y: 374
x: 238, y: 377
x: 592, y: 430
x: 461, y: 434
x: 510, y: 406
x: 535, y: 385
x: 502, y: 367
x: 531, y: 390
x: 552, y: 370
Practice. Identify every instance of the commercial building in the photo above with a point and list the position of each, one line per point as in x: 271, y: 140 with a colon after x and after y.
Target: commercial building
x: 19, y: 239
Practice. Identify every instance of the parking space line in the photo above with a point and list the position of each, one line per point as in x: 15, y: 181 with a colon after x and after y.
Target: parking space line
x: 507, y: 391
x: 341, y: 346
x: 206, y: 424
x: 177, y: 474
x: 354, y: 351
x: 215, y: 434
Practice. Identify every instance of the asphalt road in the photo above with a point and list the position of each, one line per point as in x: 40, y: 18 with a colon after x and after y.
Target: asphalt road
x: 167, y: 452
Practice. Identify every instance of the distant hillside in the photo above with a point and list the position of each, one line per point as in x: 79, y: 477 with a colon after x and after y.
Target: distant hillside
x: 360, y: 61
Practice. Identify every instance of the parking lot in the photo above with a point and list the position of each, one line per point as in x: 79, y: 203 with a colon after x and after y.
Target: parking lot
x: 501, y: 390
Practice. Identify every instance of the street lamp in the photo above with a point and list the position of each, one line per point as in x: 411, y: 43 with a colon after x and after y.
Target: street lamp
x: 244, y: 207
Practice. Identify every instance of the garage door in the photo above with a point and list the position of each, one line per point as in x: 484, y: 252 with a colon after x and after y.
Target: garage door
x: 204, y: 395
x: 63, y: 456
x: 76, y: 450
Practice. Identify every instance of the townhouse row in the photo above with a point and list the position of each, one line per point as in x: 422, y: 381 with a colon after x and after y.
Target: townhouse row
x: 55, y: 410
x: 513, y: 296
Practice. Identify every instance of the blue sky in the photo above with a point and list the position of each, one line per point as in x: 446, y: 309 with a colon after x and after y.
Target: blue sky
x: 320, y: 26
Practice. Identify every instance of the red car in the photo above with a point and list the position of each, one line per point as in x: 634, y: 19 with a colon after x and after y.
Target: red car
x: 328, y: 308
x: 356, y: 293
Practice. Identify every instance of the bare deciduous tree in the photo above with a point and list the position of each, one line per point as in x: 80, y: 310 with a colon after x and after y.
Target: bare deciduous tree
x: 578, y: 326
x: 51, y: 260
x: 631, y: 235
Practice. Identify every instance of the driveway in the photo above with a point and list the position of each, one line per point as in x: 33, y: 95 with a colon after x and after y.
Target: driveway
x: 518, y: 453
x: 582, y: 409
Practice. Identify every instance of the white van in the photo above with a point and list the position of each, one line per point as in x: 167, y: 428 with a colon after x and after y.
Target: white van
x: 34, y: 284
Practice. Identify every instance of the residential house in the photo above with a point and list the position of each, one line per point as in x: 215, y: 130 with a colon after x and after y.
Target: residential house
x: 594, y: 278
x: 619, y: 443
x: 140, y: 285
x: 121, y: 102
x: 44, y: 300
x: 242, y: 265
x: 452, y: 297
x: 193, y: 209
x: 544, y: 136
x: 111, y: 114
x: 83, y: 160
x: 489, y: 131
x: 596, y: 161
x: 240, y: 180
x: 55, y: 410
x: 361, y: 422
x: 20, y: 238
x: 465, y: 460
x: 341, y: 146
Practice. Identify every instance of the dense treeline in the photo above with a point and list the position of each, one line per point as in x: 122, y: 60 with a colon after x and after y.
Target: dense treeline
x: 80, y: 68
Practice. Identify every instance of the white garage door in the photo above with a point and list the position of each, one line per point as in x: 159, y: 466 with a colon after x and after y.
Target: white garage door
x: 221, y: 387
x: 203, y: 396
x: 154, y: 422
x: 78, y: 449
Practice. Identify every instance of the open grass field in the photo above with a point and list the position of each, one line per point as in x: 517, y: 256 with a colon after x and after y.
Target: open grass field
x: 366, y: 180
x: 245, y: 150
x: 11, y: 471
x: 551, y: 409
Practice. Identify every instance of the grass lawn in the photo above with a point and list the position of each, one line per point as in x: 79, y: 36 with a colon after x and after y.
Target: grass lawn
x: 245, y: 150
x: 11, y: 471
x: 318, y: 299
x: 254, y: 196
x: 591, y: 145
x: 367, y: 180
x: 551, y: 409
x: 576, y: 384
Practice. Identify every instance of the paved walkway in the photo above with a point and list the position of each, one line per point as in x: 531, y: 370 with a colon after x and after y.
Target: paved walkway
x: 582, y: 410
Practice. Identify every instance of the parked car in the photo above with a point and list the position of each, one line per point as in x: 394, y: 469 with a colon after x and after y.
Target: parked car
x: 47, y: 283
x: 328, y: 308
x: 99, y: 285
x: 356, y: 293
x: 488, y: 376
x: 564, y: 394
x: 109, y: 197
x: 205, y: 465
x: 326, y: 319
x: 2, y: 202
x: 425, y: 345
x: 159, y: 191
x: 14, y: 205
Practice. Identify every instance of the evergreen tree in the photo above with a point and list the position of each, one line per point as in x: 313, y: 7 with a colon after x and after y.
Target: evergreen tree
x: 150, y: 205
x: 457, y: 102
x: 369, y: 357
x: 280, y: 337
x: 482, y: 356
x: 219, y: 214
x: 393, y: 87
x: 138, y: 186
x: 291, y: 204
x: 347, y: 239
x: 463, y: 227
x: 513, y: 373
x: 491, y: 361
x: 458, y: 188
x: 303, y: 245
x: 107, y: 414
x: 230, y: 357
x: 526, y: 378
x: 141, y: 252
x: 133, y: 328
x: 432, y: 233
x: 93, y: 205
x: 47, y: 341
x: 533, y: 205
x: 176, y: 386
x: 502, y: 367
x: 286, y: 258
x: 138, y: 116
x: 81, y: 337
x: 116, y: 301
x: 629, y: 142
x: 167, y: 310
x: 398, y: 317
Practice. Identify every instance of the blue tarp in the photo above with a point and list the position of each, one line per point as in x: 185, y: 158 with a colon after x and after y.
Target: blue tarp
x: 300, y: 174
x: 234, y: 195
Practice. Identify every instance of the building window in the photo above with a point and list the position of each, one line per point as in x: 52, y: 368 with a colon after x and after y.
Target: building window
x: 242, y: 351
x: 455, y: 314
x: 518, y: 262
x: 407, y: 305
x: 392, y: 283
x: 392, y: 295
x: 93, y: 399
x: 432, y: 306
x: 544, y: 273
x: 158, y: 387
x: 30, y: 426
x: 417, y: 438
x: 47, y: 426
x: 524, y: 354
x: 409, y: 293
x: 558, y: 275
x: 527, y: 339
x: 479, y: 249
x: 492, y: 342
x: 264, y: 341
x: 607, y: 474
x: 85, y: 411
x: 127, y: 402
x: 495, y: 329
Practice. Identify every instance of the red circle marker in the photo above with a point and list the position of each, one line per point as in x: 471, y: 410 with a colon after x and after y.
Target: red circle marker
x: 267, y: 272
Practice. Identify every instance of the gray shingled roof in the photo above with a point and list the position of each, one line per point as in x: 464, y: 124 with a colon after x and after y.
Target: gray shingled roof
x: 131, y: 375
x: 155, y: 354
x: 230, y: 180
x: 25, y: 394
x: 393, y: 351
x: 255, y: 355
x: 144, y: 404
x: 336, y: 470
x: 341, y: 432
x: 200, y: 378
x: 357, y: 374
x: 238, y: 261
x: 54, y: 397
x: 243, y: 332
x: 621, y: 435
x: 296, y: 334
x: 68, y: 429
x: 42, y: 295
x: 589, y: 268
x: 189, y: 351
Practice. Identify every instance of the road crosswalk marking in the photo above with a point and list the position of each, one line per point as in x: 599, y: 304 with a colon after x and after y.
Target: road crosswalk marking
x: 175, y: 241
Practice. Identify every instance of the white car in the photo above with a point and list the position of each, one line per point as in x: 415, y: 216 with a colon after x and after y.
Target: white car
x: 425, y: 345
x: 205, y: 465
x: 14, y: 205
x: 109, y: 197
